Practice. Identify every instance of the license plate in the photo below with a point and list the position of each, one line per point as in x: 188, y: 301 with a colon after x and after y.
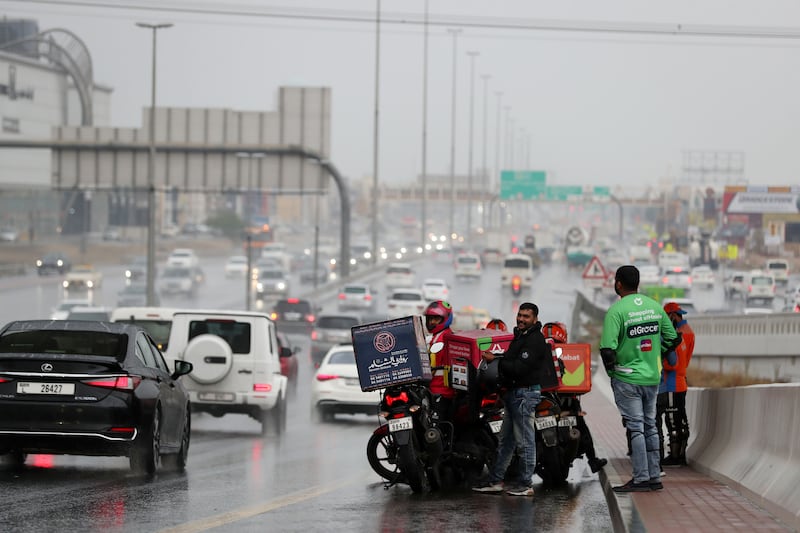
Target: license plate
x: 496, y: 425
x: 399, y: 424
x: 567, y: 421
x: 353, y: 382
x: 292, y: 316
x: 545, y: 422
x: 27, y: 387
x: 216, y: 396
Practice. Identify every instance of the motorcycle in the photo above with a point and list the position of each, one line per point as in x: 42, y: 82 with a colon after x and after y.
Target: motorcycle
x: 416, y: 448
x: 516, y: 285
x: 558, y: 438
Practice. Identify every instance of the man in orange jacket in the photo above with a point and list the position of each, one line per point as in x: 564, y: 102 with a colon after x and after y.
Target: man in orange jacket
x: 671, y: 400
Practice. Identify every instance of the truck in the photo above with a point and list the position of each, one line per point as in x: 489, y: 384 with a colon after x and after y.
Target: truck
x: 577, y: 249
x: 83, y: 277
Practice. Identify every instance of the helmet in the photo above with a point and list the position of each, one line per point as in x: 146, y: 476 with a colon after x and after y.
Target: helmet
x: 441, y: 309
x: 556, y: 331
x: 496, y: 323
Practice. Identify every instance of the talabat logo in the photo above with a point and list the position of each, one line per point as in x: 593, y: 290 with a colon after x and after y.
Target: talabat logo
x: 640, y: 330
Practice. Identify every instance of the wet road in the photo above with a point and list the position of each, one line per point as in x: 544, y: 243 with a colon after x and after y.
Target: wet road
x: 314, y: 477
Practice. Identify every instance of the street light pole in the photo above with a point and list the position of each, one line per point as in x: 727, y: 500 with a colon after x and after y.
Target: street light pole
x: 485, y: 172
x: 151, y: 174
x: 424, y: 134
x: 454, y: 33
x: 375, y: 134
x: 497, y: 129
x: 472, y: 56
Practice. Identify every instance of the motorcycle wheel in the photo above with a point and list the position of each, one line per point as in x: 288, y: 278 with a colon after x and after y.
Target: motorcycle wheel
x: 382, y: 456
x: 412, y: 468
x: 550, y: 466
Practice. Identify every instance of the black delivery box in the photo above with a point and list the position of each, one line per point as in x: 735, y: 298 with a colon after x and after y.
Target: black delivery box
x: 391, y: 352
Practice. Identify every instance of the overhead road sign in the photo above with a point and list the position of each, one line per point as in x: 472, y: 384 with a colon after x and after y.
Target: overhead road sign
x: 522, y: 184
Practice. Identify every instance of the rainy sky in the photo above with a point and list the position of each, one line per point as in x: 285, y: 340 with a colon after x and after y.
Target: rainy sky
x: 643, y: 90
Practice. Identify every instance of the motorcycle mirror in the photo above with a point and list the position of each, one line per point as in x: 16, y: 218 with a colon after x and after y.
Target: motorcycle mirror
x: 437, y: 347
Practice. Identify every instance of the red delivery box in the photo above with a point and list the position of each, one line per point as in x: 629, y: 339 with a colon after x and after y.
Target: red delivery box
x: 577, y: 359
x: 464, y: 352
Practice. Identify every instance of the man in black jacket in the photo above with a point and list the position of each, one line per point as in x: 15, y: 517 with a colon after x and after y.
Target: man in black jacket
x: 525, y: 368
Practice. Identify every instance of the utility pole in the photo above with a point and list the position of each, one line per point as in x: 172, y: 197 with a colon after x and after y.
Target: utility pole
x: 470, y: 170
x: 454, y: 33
x: 485, y: 184
x: 375, y: 135
x: 424, y: 135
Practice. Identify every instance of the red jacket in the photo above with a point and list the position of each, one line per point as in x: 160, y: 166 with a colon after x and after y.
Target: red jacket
x: 674, y: 376
x: 438, y: 383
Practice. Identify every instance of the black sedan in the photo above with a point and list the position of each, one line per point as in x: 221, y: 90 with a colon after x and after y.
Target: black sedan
x: 53, y: 263
x: 91, y: 388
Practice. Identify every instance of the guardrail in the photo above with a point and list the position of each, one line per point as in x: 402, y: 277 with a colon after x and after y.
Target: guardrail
x: 12, y: 269
x: 749, y: 438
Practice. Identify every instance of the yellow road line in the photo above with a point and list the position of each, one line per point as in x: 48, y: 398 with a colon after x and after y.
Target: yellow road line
x: 230, y: 517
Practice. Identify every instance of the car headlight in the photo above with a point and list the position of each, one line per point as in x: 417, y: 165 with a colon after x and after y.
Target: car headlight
x: 90, y: 284
x: 259, y: 287
x: 65, y: 283
x: 60, y: 262
x: 281, y: 286
x: 128, y: 273
x: 38, y: 262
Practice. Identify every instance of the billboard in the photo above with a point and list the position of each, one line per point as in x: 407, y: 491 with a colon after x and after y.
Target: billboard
x: 752, y: 200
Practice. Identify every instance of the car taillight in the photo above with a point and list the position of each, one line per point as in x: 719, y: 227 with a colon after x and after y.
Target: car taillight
x: 123, y: 429
x: 310, y: 318
x: 262, y: 387
x: 314, y: 335
x: 326, y: 377
x: 342, y: 296
x: 368, y: 297
x: 118, y: 382
x: 3, y: 380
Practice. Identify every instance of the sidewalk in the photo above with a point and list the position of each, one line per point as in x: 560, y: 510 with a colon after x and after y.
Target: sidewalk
x: 689, y: 502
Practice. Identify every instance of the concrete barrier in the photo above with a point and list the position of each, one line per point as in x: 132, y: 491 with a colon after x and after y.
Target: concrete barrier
x: 749, y: 439
x: 12, y: 269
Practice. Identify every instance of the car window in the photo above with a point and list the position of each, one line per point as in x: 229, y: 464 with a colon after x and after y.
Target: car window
x: 236, y: 334
x: 355, y: 290
x: 177, y: 273
x: 398, y: 270
x: 143, y: 351
x: 777, y: 265
x: 467, y: 260
x: 342, y: 358
x: 298, y: 307
x: 517, y: 263
x: 61, y: 341
x: 336, y: 322
x: 761, y: 280
x: 406, y: 296
x: 271, y: 274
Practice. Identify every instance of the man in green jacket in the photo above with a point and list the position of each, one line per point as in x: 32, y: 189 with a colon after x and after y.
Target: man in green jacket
x: 634, y: 329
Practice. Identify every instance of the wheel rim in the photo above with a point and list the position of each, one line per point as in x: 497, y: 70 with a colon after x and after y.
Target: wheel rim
x: 157, y: 440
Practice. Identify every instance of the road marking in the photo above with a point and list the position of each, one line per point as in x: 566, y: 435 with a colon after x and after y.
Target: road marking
x: 230, y: 517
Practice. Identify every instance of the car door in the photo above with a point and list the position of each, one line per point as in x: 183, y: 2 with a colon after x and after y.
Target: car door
x: 169, y: 394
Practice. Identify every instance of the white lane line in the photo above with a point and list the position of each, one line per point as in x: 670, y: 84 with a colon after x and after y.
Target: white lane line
x: 230, y: 517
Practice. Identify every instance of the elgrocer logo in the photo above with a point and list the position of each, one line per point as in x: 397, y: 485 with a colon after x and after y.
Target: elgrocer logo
x: 640, y: 330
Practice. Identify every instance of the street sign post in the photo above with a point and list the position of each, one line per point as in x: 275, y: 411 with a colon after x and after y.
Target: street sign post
x: 595, y: 274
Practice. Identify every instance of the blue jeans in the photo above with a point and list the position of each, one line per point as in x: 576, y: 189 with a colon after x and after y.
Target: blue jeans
x: 637, y: 405
x: 518, y: 432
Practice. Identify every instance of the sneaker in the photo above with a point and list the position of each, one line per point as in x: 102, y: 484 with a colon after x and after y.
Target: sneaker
x: 655, y: 484
x: 633, y: 486
x: 597, y: 464
x: 520, y: 491
x: 663, y: 473
x: 491, y: 487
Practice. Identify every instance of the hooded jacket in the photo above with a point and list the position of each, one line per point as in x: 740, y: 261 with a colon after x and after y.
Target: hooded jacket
x: 528, y: 360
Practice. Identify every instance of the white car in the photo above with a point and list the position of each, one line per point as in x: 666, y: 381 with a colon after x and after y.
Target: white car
x: 61, y: 311
x: 468, y: 266
x: 356, y: 296
x: 760, y: 286
x: 435, y: 289
x: 336, y: 389
x: 779, y: 268
x: 649, y: 275
x: 703, y: 276
x: 236, y: 266
x: 405, y: 302
x: 183, y: 257
x: 399, y: 275
x: 677, y: 279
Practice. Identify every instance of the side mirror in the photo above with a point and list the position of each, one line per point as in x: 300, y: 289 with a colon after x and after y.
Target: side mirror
x: 182, y: 368
x: 286, y: 351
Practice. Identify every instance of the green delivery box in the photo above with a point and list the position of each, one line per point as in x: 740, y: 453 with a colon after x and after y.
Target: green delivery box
x: 391, y: 352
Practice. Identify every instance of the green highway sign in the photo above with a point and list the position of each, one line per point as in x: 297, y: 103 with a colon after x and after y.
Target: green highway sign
x: 522, y: 184
x: 562, y: 193
x: 601, y: 191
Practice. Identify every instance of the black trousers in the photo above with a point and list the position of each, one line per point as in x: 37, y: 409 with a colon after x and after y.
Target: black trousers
x: 671, y: 408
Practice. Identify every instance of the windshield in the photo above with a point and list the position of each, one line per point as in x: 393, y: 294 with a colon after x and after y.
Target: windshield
x: 517, y: 263
x: 177, y: 273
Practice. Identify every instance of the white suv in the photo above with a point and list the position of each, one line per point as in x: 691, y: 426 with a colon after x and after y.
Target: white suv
x: 236, y: 355
x: 468, y: 266
x: 760, y: 286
